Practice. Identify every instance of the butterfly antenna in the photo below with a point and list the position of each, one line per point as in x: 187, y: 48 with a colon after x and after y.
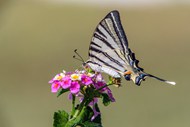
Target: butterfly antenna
x: 77, y: 58
x: 81, y: 59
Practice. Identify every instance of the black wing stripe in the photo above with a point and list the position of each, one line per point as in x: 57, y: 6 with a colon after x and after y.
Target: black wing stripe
x: 93, y: 43
x: 104, y: 63
x: 96, y: 36
x: 105, y: 29
x: 107, y: 60
x: 106, y: 56
x: 118, y: 32
x: 119, y: 29
x: 93, y: 63
x: 118, y: 59
x: 124, y: 60
x: 103, y: 68
x: 100, y: 32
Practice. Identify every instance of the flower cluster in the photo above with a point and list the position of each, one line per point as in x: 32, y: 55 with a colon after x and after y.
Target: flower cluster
x: 74, y: 81
x: 86, y: 85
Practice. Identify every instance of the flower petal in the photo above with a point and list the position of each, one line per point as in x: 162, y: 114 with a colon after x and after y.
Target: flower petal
x: 70, y: 96
x: 110, y: 95
x: 66, y: 82
x: 75, y: 77
x: 99, y: 85
x: 99, y: 77
x: 96, y: 113
x: 75, y: 87
x: 55, y: 87
x: 86, y: 80
x: 51, y: 81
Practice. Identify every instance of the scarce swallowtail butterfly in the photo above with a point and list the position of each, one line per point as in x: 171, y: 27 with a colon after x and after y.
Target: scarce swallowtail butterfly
x: 109, y: 52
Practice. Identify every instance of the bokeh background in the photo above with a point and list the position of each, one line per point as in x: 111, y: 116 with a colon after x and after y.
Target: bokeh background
x: 37, y: 39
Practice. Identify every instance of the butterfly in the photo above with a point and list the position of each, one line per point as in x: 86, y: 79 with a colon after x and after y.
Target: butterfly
x: 109, y: 52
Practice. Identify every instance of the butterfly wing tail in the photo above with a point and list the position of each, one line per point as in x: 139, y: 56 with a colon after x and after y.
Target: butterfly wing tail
x: 143, y: 75
x: 160, y: 79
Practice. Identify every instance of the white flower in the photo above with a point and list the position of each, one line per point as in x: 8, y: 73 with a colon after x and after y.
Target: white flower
x: 75, y: 77
x: 59, y: 76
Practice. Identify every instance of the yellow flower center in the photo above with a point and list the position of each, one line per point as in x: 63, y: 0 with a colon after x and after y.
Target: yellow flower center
x: 75, y: 77
x: 59, y: 77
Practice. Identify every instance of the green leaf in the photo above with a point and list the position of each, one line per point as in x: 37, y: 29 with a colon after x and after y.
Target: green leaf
x: 60, y: 118
x: 61, y: 91
x: 105, y: 99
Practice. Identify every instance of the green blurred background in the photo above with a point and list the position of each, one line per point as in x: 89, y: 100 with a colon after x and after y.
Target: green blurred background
x: 37, y: 40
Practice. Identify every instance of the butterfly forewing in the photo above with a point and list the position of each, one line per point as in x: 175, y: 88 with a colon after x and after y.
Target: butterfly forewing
x: 109, y: 34
x: 109, y: 47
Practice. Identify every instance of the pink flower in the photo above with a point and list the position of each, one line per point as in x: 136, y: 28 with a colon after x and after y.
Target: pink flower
x: 55, y: 86
x: 86, y: 80
x: 70, y: 96
x: 51, y: 81
x: 110, y: 95
x: 99, y: 78
x: 75, y: 87
x: 57, y: 79
x: 99, y: 85
x: 96, y: 113
x: 94, y: 101
x: 105, y: 89
x: 66, y: 82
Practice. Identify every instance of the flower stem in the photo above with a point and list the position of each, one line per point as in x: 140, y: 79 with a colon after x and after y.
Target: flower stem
x: 73, y: 106
x: 77, y: 112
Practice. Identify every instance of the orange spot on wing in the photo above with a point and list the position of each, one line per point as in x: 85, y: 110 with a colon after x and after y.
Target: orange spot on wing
x: 127, y: 73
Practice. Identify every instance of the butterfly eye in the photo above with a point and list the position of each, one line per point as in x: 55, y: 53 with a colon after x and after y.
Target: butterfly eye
x: 84, y: 64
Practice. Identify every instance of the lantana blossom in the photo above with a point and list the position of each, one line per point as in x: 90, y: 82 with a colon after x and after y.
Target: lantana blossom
x: 55, y: 87
x: 59, y: 76
x: 99, y: 78
x: 56, y: 82
x: 99, y: 85
x: 75, y: 77
x: 78, y: 82
x: 86, y: 80
x: 66, y: 82
x: 75, y: 87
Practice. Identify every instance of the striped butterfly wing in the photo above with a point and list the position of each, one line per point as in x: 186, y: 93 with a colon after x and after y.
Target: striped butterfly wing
x: 109, y: 52
x: 109, y: 34
x: 108, y: 37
